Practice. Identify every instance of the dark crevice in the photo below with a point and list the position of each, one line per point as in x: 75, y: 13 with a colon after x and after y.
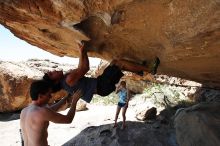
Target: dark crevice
x: 85, y: 26
x: 44, y: 30
x: 1, y: 89
x: 117, y: 17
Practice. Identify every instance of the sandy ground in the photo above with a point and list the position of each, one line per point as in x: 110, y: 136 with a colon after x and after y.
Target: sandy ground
x: 60, y: 133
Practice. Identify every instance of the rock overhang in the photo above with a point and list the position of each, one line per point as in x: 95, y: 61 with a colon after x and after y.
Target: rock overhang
x: 185, y: 35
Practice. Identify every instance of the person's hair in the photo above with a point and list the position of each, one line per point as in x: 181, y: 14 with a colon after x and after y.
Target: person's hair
x: 47, y: 78
x: 39, y: 87
x: 55, y: 87
x: 123, y: 83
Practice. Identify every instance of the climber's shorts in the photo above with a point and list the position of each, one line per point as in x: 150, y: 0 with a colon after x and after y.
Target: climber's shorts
x: 106, y: 82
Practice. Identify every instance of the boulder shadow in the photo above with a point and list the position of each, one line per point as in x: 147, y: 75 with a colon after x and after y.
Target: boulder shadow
x: 9, y: 116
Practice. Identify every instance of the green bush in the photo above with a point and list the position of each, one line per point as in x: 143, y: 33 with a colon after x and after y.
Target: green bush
x: 111, y: 99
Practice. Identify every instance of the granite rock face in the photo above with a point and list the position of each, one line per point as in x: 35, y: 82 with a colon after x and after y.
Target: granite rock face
x: 183, y: 34
x: 198, y: 125
x: 136, y: 133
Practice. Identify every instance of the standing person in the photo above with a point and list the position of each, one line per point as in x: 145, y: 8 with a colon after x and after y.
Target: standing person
x: 124, y: 97
x: 34, y: 119
x: 102, y: 85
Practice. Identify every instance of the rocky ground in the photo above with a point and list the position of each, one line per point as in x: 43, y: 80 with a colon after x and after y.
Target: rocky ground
x: 95, y: 127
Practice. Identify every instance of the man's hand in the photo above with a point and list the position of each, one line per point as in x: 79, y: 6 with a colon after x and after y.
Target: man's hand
x: 118, y: 88
x: 81, y: 46
x: 76, y: 96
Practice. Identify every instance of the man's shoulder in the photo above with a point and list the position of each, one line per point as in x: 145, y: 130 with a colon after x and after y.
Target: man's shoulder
x: 43, y: 109
x: 26, y: 109
x: 31, y: 112
x: 36, y: 109
x: 40, y: 113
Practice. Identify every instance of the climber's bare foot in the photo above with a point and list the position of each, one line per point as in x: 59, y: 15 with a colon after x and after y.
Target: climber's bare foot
x: 115, y: 125
x: 123, y: 127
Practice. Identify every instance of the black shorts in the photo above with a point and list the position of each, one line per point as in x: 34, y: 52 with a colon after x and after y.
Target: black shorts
x: 121, y: 104
x: 106, y: 82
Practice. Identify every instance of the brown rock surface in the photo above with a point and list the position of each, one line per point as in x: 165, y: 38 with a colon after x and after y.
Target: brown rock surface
x: 183, y: 34
x: 149, y: 114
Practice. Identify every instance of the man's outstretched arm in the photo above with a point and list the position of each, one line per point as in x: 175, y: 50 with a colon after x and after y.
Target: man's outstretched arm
x: 59, y: 104
x: 50, y: 115
x: 83, y: 60
x: 83, y: 68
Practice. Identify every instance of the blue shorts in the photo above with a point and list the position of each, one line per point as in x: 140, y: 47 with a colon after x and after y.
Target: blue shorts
x: 121, y: 104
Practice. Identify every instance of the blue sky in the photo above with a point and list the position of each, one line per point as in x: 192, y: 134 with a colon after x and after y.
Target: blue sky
x: 15, y: 49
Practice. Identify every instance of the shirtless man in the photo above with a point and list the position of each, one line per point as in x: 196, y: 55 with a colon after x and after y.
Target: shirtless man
x: 34, y: 119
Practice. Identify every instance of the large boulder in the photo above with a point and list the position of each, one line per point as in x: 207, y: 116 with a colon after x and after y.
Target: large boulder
x: 136, y: 133
x: 15, y: 80
x: 199, y: 125
x: 149, y: 114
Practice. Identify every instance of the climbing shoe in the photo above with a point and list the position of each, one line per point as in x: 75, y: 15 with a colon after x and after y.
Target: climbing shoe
x: 155, y: 66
